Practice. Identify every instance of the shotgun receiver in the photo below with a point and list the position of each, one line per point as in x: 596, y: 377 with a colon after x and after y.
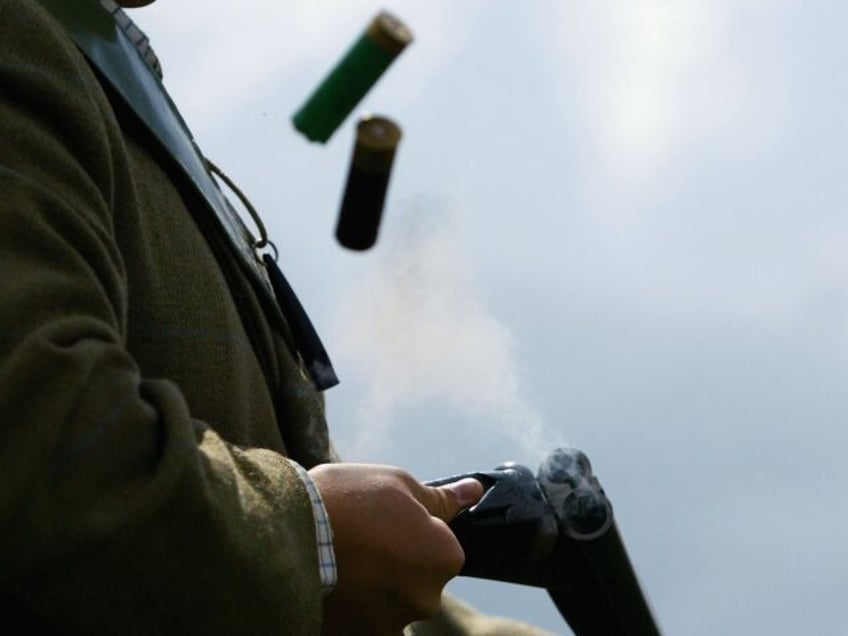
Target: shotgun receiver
x: 555, y: 530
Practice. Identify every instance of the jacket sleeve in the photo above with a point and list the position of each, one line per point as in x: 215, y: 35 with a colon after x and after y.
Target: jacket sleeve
x: 119, y: 511
x: 459, y: 619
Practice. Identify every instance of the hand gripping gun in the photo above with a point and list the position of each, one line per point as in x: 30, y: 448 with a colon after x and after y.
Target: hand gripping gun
x: 556, y: 531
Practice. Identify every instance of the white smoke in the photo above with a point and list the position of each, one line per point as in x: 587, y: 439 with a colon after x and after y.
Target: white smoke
x: 419, y: 333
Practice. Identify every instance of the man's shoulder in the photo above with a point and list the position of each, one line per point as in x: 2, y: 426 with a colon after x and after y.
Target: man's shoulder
x: 28, y: 15
x: 54, y: 111
x: 31, y: 35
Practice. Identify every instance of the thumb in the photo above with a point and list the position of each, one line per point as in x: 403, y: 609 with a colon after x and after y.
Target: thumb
x: 447, y: 501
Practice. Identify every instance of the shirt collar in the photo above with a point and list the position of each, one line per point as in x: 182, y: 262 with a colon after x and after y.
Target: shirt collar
x: 136, y: 35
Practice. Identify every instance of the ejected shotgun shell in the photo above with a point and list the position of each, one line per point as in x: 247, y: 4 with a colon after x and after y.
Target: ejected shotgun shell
x: 367, y: 181
x: 352, y: 77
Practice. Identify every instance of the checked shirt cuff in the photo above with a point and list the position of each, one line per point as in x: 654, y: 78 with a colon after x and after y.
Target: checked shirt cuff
x: 323, y: 532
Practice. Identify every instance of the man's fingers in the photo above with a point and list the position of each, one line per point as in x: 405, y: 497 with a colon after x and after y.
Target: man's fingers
x: 445, y: 502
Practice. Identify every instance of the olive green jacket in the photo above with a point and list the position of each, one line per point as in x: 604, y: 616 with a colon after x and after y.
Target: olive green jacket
x: 149, y: 397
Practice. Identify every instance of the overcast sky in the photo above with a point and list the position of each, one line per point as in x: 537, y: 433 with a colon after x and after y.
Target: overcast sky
x: 618, y: 224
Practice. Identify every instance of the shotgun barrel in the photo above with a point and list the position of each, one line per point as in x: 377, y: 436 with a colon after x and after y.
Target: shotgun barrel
x: 556, y: 531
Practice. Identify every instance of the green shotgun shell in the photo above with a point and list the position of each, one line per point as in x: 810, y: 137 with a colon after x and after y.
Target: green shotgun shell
x: 377, y: 139
x: 352, y: 77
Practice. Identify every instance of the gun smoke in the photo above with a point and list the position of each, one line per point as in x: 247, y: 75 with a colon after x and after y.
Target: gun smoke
x: 418, y: 332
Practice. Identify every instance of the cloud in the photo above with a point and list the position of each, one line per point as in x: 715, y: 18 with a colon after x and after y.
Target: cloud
x: 657, y: 80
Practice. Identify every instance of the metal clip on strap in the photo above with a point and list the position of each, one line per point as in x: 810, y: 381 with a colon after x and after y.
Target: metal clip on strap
x: 305, y: 337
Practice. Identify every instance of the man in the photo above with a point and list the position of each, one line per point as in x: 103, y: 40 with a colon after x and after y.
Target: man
x: 165, y: 462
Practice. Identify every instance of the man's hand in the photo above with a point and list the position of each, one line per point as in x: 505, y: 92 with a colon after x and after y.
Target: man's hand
x: 394, y: 550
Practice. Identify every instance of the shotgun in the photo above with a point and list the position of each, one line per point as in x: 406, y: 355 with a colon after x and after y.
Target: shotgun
x: 555, y: 530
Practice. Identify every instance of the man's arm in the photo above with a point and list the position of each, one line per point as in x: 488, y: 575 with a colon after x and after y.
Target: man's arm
x: 119, y: 511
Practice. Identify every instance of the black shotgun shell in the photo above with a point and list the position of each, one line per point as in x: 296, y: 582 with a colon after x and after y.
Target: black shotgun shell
x: 367, y: 182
